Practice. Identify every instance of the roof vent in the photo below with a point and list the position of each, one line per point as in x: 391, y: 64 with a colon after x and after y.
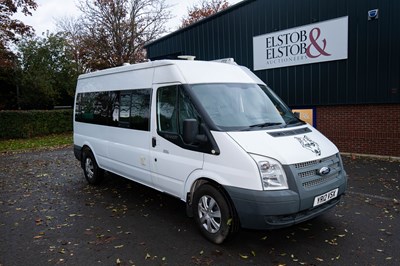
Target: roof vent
x: 187, y: 57
x: 226, y: 61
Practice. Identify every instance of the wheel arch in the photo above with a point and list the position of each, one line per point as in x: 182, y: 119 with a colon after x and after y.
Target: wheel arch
x: 87, y: 146
x: 191, y: 187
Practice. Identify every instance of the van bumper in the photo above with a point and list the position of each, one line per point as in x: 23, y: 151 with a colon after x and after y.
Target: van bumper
x: 273, y: 209
x: 78, y: 152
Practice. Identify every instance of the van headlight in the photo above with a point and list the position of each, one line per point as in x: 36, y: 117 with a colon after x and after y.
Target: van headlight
x: 273, y: 176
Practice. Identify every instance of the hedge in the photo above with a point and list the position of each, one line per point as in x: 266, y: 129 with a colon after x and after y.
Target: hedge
x: 26, y: 124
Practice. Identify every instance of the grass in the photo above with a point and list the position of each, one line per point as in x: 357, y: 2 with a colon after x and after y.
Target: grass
x: 50, y: 141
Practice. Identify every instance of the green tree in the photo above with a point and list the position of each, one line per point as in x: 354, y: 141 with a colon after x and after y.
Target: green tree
x: 48, y: 75
x: 11, y: 30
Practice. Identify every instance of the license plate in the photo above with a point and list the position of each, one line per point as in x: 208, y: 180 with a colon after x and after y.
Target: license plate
x: 318, y: 200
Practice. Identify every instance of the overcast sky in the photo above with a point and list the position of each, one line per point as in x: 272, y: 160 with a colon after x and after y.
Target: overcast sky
x: 49, y: 11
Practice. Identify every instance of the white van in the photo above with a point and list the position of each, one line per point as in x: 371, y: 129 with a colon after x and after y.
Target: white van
x: 213, y: 135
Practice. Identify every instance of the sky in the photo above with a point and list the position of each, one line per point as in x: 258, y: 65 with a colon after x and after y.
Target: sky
x: 49, y: 11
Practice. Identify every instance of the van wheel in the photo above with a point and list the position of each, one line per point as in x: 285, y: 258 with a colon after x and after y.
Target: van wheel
x: 212, y: 213
x: 93, y: 173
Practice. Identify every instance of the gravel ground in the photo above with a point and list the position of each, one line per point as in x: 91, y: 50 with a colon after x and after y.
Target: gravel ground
x: 49, y: 215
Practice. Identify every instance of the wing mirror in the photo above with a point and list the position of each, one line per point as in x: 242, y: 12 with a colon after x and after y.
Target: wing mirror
x: 191, y: 132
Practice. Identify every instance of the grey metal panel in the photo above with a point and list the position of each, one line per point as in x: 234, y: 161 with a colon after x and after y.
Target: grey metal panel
x: 371, y: 74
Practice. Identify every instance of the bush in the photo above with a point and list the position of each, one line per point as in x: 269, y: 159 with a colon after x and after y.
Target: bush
x: 26, y: 124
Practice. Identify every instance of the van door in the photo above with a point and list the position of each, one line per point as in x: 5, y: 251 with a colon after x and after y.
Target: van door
x: 128, y: 140
x: 172, y: 159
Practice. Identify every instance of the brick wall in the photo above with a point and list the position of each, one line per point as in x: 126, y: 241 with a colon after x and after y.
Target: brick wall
x: 365, y: 129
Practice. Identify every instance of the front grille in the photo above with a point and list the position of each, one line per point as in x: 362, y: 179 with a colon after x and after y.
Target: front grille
x: 306, y: 164
x: 319, y: 181
x: 307, y: 172
x: 314, y: 162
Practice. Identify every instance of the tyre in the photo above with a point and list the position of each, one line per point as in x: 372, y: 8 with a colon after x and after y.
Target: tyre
x: 213, y: 214
x: 93, y: 173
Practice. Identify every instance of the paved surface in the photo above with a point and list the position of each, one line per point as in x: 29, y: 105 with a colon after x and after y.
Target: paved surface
x: 50, y: 216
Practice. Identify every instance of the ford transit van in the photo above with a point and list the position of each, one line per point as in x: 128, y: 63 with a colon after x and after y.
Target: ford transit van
x: 211, y: 134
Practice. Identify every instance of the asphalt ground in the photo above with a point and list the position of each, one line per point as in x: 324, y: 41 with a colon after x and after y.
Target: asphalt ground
x: 49, y: 215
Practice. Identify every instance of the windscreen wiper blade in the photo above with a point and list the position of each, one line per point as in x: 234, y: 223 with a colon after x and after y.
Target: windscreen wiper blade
x: 267, y: 124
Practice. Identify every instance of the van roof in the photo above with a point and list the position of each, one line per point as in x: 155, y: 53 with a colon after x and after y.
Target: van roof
x: 190, y: 71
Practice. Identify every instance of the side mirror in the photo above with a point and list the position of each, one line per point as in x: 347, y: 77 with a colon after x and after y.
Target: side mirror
x: 297, y: 114
x: 190, y: 130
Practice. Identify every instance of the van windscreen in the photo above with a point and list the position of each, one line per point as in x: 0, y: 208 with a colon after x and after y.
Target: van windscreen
x: 233, y: 106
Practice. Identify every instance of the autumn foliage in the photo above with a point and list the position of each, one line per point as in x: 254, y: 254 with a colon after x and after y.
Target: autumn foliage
x: 11, y: 29
x: 202, y: 10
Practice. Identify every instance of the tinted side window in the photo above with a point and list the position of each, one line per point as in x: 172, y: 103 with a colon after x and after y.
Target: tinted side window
x: 129, y: 109
x: 174, y: 106
x: 167, y: 109
x: 140, y: 109
x: 186, y: 110
x: 124, y: 109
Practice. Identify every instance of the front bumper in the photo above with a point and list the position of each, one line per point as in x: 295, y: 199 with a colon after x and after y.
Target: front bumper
x: 274, y: 209
x: 282, y: 208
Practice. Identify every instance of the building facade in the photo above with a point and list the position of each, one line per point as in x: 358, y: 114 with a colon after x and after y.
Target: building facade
x: 338, y: 62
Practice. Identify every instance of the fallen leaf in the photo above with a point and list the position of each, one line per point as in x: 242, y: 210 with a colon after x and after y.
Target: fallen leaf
x: 243, y: 256
x: 120, y: 246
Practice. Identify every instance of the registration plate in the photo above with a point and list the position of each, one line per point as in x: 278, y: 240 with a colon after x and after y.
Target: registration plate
x: 318, y: 200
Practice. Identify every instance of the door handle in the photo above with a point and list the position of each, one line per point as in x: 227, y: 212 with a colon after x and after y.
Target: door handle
x: 153, y: 142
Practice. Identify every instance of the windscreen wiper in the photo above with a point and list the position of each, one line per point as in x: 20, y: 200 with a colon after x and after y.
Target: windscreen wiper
x: 295, y: 121
x: 267, y: 124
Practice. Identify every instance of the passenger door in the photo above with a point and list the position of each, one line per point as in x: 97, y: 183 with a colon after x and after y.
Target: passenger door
x: 128, y: 145
x: 172, y: 160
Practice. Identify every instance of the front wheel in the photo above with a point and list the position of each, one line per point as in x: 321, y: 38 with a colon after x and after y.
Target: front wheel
x: 93, y: 173
x: 213, y: 214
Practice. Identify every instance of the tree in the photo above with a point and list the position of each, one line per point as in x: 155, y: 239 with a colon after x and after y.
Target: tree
x: 202, y: 10
x: 113, y: 32
x: 8, y: 77
x: 72, y: 30
x: 11, y: 29
x: 48, y: 75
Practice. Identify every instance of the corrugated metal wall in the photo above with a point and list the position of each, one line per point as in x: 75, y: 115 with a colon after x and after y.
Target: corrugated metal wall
x: 371, y: 74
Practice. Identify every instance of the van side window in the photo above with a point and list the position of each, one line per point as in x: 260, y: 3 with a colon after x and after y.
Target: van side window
x: 128, y: 109
x: 173, y: 107
x: 186, y: 110
x: 140, y: 109
x: 124, y: 108
x: 167, y: 109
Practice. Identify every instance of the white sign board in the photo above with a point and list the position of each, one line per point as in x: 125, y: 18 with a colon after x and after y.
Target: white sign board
x: 317, y: 42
